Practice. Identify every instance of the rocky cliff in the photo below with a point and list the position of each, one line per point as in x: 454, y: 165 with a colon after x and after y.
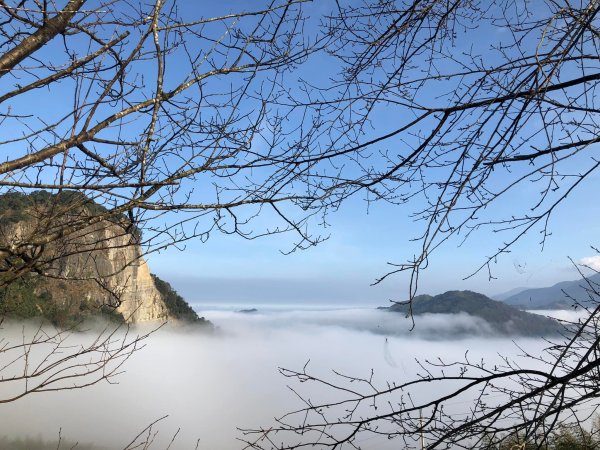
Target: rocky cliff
x: 103, y: 265
x: 97, y: 267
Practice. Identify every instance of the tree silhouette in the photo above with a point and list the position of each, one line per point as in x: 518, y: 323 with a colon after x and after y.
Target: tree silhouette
x: 465, y: 104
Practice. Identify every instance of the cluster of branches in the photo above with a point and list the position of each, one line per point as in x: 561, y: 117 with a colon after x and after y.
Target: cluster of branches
x: 146, y: 109
x: 226, y: 117
x: 40, y: 358
x: 149, y: 109
x: 474, y: 119
x: 564, y: 437
x: 528, y: 398
x: 115, y: 113
x: 458, y: 107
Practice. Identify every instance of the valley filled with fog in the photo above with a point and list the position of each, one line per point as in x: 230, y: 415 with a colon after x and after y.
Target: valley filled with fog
x: 211, y: 383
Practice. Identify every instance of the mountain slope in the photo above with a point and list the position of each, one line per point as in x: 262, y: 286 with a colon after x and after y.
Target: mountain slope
x: 554, y: 297
x: 176, y: 305
x: 98, y: 269
x: 503, y: 319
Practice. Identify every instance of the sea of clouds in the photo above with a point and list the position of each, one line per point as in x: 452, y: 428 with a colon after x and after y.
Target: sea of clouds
x: 211, y: 384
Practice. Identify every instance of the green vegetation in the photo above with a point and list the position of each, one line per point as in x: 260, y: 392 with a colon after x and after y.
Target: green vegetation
x: 176, y: 305
x: 503, y: 319
x: 18, y: 300
x: 26, y: 298
x: 15, y: 206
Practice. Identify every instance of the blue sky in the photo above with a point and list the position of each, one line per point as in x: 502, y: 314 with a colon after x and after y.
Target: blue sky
x: 341, y: 269
x: 362, y: 240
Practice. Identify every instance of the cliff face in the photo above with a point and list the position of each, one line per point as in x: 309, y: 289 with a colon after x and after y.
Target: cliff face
x: 99, y: 265
x: 108, y: 254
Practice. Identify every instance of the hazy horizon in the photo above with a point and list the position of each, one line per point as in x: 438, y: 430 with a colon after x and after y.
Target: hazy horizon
x: 246, y: 292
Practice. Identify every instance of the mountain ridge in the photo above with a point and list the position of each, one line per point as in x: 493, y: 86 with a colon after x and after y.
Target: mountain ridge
x: 555, y: 296
x: 503, y: 319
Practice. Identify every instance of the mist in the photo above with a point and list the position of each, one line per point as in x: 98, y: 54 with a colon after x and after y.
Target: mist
x: 210, y: 384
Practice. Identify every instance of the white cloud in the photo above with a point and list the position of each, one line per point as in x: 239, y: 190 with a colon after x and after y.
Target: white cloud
x: 593, y: 262
x: 211, y: 384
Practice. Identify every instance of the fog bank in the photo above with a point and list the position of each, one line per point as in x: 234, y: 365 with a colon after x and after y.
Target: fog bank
x: 211, y: 384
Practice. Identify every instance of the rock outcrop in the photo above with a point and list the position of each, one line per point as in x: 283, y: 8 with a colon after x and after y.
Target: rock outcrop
x: 98, y: 266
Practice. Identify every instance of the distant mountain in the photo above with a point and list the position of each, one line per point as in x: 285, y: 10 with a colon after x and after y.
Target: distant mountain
x: 504, y: 295
x: 502, y: 318
x: 554, y: 297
